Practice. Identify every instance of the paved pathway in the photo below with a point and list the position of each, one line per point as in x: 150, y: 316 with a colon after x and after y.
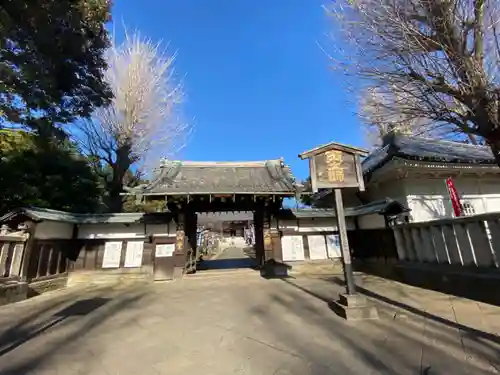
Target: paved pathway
x: 234, y: 256
x: 235, y: 325
x: 233, y: 252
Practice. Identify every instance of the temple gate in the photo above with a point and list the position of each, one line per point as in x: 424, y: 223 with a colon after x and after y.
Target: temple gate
x: 185, y: 188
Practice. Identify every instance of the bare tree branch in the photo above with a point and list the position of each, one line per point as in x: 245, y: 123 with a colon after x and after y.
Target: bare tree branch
x: 143, y: 122
x: 432, y: 60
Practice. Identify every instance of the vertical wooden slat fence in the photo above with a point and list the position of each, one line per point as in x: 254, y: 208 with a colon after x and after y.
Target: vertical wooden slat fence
x: 48, y: 259
x: 373, y: 243
x: 11, y: 254
x: 464, y: 241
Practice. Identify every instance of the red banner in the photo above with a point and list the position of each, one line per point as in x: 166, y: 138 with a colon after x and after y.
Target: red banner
x: 454, y: 197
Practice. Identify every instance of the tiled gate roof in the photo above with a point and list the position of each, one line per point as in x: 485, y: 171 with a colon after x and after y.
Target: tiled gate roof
x: 176, y: 177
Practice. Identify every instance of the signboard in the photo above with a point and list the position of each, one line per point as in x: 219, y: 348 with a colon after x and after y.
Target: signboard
x: 133, y: 254
x: 337, y: 166
x: 112, y: 254
x: 333, y: 245
x: 165, y: 250
x: 180, y: 240
x: 334, y: 169
x: 317, y: 247
x: 292, y: 247
x: 267, y: 238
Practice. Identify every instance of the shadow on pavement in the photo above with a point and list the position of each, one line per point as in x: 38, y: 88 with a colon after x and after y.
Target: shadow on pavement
x: 400, y: 305
x: 423, y: 343
x: 475, y: 283
x: 79, y: 308
x: 325, y: 299
x: 224, y: 264
x: 79, y: 318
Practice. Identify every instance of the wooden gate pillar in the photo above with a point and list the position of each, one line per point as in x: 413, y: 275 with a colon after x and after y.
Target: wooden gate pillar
x: 258, y: 221
x: 264, y: 248
x: 191, y: 225
x: 185, y: 246
x: 268, y: 245
x: 276, y: 240
x: 180, y: 253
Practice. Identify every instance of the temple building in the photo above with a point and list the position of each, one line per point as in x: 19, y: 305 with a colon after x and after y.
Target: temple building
x: 412, y: 171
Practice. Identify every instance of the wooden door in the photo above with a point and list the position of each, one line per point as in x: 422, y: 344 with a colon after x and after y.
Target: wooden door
x: 163, y: 258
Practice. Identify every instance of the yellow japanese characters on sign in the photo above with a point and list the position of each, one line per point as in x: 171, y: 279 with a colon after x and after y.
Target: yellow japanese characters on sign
x: 334, y: 167
x: 267, y: 238
x: 180, y: 240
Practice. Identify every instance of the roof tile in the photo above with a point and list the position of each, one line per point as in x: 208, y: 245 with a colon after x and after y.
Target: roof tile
x: 432, y: 150
x: 376, y: 207
x: 217, y: 177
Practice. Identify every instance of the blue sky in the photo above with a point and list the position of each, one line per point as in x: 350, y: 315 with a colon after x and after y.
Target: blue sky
x: 258, y: 86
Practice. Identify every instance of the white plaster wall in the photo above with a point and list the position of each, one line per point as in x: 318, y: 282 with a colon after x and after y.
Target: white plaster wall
x: 429, y: 200
x: 93, y: 231
x: 373, y: 221
x: 493, y: 204
x: 318, y: 225
x: 53, y: 230
x: 315, y: 225
x: 321, y: 247
x: 161, y: 230
x: 288, y: 225
x: 395, y: 189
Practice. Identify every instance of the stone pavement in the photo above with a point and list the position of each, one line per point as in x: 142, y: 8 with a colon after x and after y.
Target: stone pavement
x: 232, y: 257
x: 246, y: 325
x: 233, y: 252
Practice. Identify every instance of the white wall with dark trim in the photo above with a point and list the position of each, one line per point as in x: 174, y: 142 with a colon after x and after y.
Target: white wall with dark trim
x: 428, y: 198
x: 47, y: 230
x: 59, y: 230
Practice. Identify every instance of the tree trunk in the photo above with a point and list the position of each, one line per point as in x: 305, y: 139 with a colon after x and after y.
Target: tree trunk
x: 472, y: 138
x: 115, y: 185
x: 495, y: 148
x: 492, y: 138
x: 115, y: 200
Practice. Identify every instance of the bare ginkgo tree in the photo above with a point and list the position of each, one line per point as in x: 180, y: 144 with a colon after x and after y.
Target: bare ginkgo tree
x: 434, y: 64
x: 379, y: 117
x: 143, y: 122
x: 383, y: 112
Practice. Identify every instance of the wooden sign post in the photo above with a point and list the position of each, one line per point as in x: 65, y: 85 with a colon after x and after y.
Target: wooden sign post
x: 337, y: 166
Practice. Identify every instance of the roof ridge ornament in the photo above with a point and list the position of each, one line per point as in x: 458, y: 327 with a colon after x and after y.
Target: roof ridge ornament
x: 168, y: 171
x: 279, y: 171
x: 274, y: 169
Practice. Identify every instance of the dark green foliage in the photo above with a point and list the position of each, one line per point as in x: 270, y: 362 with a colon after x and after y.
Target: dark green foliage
x: 130, y: 205
x: 51, y: 60
x: 112, y: 198
x: 311, y: 200
x: 35, y: 172
x: 307, y: 198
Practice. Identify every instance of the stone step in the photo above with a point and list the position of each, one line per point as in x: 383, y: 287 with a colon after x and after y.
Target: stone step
x: 245, y: 272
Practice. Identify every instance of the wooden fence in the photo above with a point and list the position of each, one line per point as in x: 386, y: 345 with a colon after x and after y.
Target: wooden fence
x: 467, y: 241
x: 11, y: 255
x: 372, y: 244
x: 48, y: 259
x: 91, y: 255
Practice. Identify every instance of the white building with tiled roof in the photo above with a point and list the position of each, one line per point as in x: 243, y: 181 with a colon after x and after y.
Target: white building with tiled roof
x: 413, y: 170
